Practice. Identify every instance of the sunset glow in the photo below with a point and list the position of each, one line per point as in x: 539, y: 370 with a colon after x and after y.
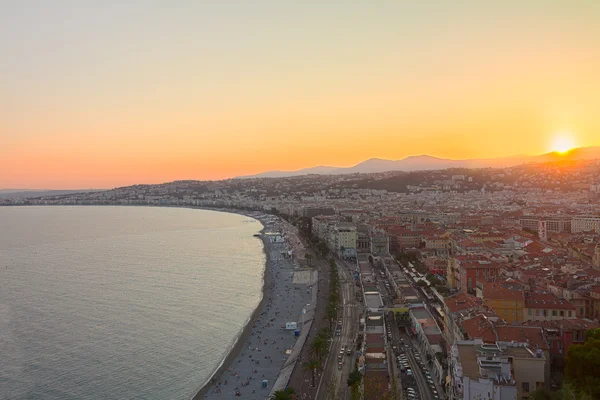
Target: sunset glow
x: 103, y: 95
x: 563, y: 143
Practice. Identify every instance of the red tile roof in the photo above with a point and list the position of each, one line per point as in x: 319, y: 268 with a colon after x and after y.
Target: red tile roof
x: 542, y: 300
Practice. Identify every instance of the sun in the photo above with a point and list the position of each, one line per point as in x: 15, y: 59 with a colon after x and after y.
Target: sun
x: 563, y: 143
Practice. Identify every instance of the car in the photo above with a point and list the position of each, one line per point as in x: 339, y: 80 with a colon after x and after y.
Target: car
x: 340, y: 365
x: 409, y: 372
x: 427, y: 373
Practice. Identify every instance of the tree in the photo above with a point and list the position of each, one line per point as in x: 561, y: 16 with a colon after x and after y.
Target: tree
x: 286, y: 394
x: 582, y: 367
x: 354, y: 377
x: 331, y: 314
x: 372, y: 389
x: 394, y: 393
x: 566, y: 392
x: 319, y: 347
x: 332, y: 390
x: 312, y: 365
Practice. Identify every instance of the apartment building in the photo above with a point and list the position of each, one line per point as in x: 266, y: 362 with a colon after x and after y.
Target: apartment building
x: 321, y: 225
x: 379, y: 242
x: 541, y: 306
x: 586, y: 224
x: 470, y: 271
x: 363, y: 239
x: 508, y: 303
x: 502, y: 370
x: 477, y: 372
x: 562, y: 334
x: 553, y: 224
x: 342, y: 239
x: 429, y: 337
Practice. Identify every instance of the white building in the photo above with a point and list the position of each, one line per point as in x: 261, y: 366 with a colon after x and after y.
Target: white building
x: 478, y: 371
x: 585, y: 224
x: 342, y: 238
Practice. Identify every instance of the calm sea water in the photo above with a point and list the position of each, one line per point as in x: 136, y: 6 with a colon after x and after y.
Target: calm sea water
x: 121, y: 302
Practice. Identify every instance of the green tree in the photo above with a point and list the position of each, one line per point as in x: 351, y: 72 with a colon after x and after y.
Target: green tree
x: 331, y: 314
x: 286, y: 394
x: 354, y: 377
x: 394, y: 393
x: 332, y: 390
x: 319, y: 347
x: 582, y: 368
x: 313, y: 366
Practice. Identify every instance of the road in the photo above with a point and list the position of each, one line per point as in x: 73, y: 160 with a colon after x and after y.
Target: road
x: 301, y: 377
x: 397, y: 334
x: 349, y: 316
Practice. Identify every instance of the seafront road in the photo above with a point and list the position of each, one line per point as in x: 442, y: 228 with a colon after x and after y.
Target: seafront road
x: 349, y: 315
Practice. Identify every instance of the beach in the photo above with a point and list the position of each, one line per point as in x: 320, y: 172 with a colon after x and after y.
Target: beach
x: 264, y: 344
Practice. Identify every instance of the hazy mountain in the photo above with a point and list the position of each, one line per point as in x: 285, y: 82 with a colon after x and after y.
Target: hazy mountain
x: 426, y: 162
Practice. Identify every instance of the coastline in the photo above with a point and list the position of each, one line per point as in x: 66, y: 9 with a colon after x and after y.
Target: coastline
x: 279, y: 292
x: 245, y: 333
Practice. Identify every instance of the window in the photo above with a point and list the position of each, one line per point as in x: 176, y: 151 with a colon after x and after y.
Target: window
x: 554, y: 313
x: 545, y: 313
x: 570, y: 312
x: 580, y: 311
x: 526, y: 387
x: 529, y: 312
x: 513, y: 312
x: 537, y: 313
x: 505, y: 312
x: 562, y: 313
x: 506, y: 304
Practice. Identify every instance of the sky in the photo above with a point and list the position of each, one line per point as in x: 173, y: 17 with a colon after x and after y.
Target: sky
x: 100, y: 94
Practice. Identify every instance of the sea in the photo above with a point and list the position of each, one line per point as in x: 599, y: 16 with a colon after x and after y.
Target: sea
x: 102, y: 302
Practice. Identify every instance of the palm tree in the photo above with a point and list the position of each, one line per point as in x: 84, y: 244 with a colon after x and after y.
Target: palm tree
x: 318, y: 347
x: 312, y: 365
x: 286, y: 394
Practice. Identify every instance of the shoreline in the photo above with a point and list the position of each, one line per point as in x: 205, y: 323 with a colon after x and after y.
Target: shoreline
x: 246, y: 332
x: 268, y: 290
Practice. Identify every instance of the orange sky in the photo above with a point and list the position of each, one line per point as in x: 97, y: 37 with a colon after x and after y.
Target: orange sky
x: 110, y: 96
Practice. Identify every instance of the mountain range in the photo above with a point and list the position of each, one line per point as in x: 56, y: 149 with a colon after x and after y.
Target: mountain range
x: 427, y: 162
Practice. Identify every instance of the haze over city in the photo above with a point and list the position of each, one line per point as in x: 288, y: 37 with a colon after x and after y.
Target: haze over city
x: 101, y: 95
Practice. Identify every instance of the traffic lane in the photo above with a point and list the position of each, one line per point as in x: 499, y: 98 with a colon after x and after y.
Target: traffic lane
x: 416, y: 370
